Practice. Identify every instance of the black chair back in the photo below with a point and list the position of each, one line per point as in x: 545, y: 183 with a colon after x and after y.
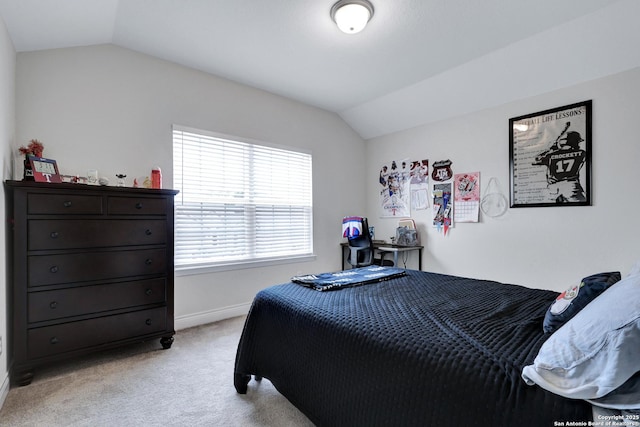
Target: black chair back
x: 361, y: 247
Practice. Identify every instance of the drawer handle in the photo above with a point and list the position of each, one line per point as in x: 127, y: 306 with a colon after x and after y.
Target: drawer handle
x: 67, y: 203
x: 147, y: 232
x: 148, y: 292
x: 148, y: 261
x: 54, y: 340
x: 53, y: 305
x: 148, y: 322
x: 139, y: 205
x: 54, y: 234
x: 54, y: 269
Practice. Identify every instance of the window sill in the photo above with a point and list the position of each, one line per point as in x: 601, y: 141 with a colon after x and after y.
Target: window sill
x: 189, y: 270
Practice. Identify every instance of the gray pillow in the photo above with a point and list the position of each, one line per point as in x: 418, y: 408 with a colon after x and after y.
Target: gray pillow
x: 596, y: 351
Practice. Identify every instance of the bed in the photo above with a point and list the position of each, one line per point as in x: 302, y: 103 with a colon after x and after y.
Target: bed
x: 422, y: 349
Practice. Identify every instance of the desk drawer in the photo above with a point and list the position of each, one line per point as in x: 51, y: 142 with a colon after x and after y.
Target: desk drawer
x: 70, y: 336
x: 49, y: 305
x: 69, y: 234
x: 53, y: 204
x: 136, y: 206
x: 80, y: 267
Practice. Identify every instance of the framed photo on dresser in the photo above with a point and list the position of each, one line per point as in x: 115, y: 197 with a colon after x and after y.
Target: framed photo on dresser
x: 44, y: 170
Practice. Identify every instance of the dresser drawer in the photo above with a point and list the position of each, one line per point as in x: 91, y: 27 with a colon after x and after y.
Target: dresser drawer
x: 54, y: 204
x: 136, y: 206
x: 70, y: 336
x: 49, y: 305
x: 70, y: 234
x: 80, y: 267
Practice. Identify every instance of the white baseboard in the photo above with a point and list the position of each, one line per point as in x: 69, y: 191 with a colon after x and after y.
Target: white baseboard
x: 204, y: 317
x: 4, y: 389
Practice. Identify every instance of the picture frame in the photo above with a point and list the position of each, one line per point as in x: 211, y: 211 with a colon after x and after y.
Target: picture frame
x: 550, y: 157
x: 44, y: 170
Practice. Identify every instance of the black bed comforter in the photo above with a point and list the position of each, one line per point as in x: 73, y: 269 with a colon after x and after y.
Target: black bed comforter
x: 425, y: 349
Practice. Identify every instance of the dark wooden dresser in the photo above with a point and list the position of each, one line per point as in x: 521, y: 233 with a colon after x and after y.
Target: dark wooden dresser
x: 90, y: 268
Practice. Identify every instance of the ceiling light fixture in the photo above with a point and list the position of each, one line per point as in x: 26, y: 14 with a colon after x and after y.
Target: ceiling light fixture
x: 351, y: 16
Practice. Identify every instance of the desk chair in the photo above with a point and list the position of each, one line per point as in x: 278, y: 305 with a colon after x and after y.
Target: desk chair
x: 360, y: 245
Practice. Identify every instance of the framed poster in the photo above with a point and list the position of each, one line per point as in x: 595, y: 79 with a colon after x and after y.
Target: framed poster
x: 550, y: 157
x: 44, y: 170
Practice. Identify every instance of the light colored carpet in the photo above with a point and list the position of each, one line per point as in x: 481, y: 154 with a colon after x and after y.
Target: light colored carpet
x: 190, y: 384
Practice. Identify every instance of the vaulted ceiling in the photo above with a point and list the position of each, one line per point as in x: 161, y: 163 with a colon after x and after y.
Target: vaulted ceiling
x: 417, y: 60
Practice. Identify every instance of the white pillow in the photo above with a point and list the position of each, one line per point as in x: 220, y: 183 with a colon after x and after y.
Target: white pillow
x: 597, y: 350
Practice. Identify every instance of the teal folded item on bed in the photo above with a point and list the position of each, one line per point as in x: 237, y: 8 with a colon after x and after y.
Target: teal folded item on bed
x: 347, y: 278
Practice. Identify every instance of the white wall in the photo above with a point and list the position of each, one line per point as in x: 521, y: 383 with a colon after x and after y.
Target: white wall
x: 7, y: 124
x: 109, y: 108
x: 538, y: 247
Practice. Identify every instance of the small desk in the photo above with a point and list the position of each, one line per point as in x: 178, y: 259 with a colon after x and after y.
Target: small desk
x: 387, y: 248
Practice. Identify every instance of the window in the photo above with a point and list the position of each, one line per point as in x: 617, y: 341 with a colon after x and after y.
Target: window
x: 239, y: 201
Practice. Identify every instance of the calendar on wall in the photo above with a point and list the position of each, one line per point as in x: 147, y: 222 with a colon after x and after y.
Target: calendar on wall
x: 467, y: 197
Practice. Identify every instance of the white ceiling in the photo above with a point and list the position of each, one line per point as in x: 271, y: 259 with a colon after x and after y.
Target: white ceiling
x: 292, y: 47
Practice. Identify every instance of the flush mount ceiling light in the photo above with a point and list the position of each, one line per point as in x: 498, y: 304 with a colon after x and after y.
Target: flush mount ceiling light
x: 351, y: 16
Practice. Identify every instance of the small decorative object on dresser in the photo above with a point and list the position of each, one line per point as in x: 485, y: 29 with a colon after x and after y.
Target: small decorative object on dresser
x: 91, y: 268
x: 35, y: 148
x: 92, y: 177
x: 121, y: 177
x: 156, y: 177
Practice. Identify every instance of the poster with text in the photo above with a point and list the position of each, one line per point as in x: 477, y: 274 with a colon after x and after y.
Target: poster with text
x: 550, y: 157
x: 420, y: 184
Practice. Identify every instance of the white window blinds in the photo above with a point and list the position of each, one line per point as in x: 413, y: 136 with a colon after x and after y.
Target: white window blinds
x: 239, y: 201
